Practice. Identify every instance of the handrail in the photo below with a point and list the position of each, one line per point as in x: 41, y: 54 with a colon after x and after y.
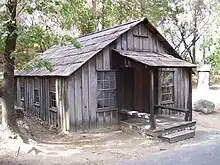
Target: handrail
x: 173, y: 109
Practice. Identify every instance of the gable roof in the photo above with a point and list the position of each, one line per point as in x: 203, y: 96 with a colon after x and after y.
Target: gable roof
x: 154, y: 59
x: 66, y: 60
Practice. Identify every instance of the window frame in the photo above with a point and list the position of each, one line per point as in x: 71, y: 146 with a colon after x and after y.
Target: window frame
x: 22, y: 93
x: 36, y: 102
x: 111, y: 90
x: 169, y: 86
x: 52, y: 100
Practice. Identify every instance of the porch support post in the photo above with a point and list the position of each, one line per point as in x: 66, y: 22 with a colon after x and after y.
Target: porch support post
x: 189, y: 102
x: 152, y: 100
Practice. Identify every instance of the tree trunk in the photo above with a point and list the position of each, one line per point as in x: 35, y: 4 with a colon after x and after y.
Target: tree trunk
x: 194, y: 46
x: 8, y: 112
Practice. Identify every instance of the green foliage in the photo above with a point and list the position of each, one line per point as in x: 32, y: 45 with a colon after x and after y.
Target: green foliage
x: 212, y: 42
x: 58, y: 20
x: 214, y: 59
x: 36, y: 37
x: 78, y: 14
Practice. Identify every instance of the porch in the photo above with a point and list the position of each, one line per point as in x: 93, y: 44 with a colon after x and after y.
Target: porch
x: 165, y: 126
x: 153, y: 92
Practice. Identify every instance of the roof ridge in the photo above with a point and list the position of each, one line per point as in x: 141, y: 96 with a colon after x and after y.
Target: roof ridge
x: 116, y: 26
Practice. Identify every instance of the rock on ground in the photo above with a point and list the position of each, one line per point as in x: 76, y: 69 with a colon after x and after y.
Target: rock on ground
x: 204, y: 106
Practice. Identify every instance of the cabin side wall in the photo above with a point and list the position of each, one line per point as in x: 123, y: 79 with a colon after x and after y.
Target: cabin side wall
x: 42, y: 110
x: 82, y: 95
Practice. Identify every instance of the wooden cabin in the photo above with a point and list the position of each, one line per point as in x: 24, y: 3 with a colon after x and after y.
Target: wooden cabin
x: 121, y: 73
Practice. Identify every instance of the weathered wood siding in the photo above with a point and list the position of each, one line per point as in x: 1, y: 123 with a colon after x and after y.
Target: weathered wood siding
x: 133, y: 83
x: 134, y: 94
x: 57, y: 117
x: 82, y: 95
x: 141, y: 38
x: 181, y: 87
x: 181, y: 91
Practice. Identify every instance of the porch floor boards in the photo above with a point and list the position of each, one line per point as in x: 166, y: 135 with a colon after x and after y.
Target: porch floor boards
x: 164, y: 125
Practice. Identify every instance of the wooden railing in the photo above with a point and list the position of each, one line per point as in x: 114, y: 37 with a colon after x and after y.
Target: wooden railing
x: 188, y: 113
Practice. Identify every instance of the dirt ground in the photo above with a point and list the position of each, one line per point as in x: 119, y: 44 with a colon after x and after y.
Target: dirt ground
x: 103, y: 147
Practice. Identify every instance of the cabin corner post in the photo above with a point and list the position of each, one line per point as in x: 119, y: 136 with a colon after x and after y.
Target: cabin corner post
x: 152, y: 100
x: 189, y: 105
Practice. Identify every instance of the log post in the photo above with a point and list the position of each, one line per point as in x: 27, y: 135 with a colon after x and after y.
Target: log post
x: 152, y: 100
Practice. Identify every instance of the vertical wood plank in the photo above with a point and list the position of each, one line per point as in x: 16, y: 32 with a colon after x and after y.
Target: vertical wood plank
x: 26, y: 95
x: 146, y: 45
x: 106, y: 58
x: 152, y: 103
x: 18, y: 100
x: 136, y: 39
x: 99, y: 60
x: 66, y: 105
x: 71, y: 103
x: 107, y: 118
x: 92, y: 92
x: 78, y: 98
x: 190, y: 94
x: 124, y: 41
x: 186, y: 77
x: 140, y: 38
x: 176, y: 99
x: 100, y: 120
x: 46, y: 100
x: 111, y: 47
x: 58, y: 89
x: 130, y: 44
x: 118, y: 43
x: 65, y: 111
x: 186, y: 90
x: 60, y: 105
x: 155, y: 42
x: 43, y: 95
x: 150, y: 41
x: 159, y: 89
x: 85, y: 96
x: 31, y: 98
x: 182, y: 89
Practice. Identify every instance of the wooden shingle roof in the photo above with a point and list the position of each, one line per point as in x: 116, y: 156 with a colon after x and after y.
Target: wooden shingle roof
x: 154, y: 59
x: 66, y: 60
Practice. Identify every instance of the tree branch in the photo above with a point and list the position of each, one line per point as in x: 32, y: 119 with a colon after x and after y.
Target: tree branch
x: 191, y: 43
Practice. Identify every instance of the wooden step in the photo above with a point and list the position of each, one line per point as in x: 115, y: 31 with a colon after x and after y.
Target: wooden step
x: 178, y: 136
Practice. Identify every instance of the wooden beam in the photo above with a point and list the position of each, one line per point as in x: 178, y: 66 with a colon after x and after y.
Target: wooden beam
x: 152, y: 100
x: 189, y: 103
x: 172, y: 109
x: 139, y: 35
